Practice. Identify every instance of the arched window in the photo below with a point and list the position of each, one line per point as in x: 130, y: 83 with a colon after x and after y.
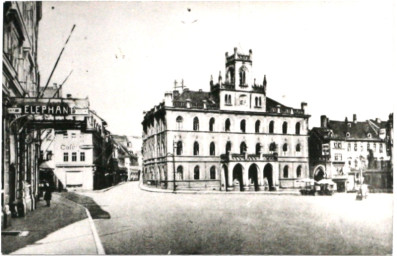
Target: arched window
x: 230, y: 99
x: 243, y: 148
x: 213, y: 173
x: 285, y: 128
x: 271, y: 127
x: 179, y: 123
x: 179, y: 173
x: 299, y: 171
x: 298, y: 147
x: 285, y: 172
x: 212, y: 122
x: 212, y: 149
x: 226, y: 98
x: 195, y: 124
x: 242, y: 125
x: 228, y: 147
x: 298, y: 128
x: 197, y: 172
x: 258, y: 149
x: 227, y: 125
x: 179, y: 148
x: 273, y: 146
x: 285, y: 147
x: 260, y: 101
x: 196, y: 148
x: 257, y: 126
x: 242, y: 76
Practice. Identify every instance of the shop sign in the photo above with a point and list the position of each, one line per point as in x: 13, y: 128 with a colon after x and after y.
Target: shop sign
x: 49, y: 109
x: 86, y: 146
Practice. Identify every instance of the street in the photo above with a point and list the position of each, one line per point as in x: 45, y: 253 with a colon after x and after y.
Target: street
x: 160, y: 223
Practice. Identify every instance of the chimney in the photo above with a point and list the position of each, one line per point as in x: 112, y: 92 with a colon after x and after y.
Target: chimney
x: 324, y: 121
x: 205, y: 104
x: 346, y: 120
x: 69, y: 96
x: 235, y: 52
x: 168, y: 99
x: 188, y: 103
x: 378, y: 120
x: 250, y: 52
x: 354, y: 118
x: 303, y: 106
x: 212, y: 81
x: 220, y: 78
x: 55, y: 85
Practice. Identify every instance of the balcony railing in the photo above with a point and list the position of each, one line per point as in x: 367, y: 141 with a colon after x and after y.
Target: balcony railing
x: 248, y: 157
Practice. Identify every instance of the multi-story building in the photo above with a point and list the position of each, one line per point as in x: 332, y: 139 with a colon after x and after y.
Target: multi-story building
x: 76, y: 157
x: 233, y: 137
x: 350, y: 152
x: 127, y: 160
x: 20, y: 79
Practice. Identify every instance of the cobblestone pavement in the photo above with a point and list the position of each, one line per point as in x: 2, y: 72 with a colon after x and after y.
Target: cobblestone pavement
x: 144, y: 222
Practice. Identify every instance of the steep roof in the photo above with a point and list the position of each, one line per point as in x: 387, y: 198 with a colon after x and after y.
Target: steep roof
x: 349, y: 130
x: 196, y: 97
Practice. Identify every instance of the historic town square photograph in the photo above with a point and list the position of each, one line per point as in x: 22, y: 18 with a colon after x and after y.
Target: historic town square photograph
x: 198, y: 127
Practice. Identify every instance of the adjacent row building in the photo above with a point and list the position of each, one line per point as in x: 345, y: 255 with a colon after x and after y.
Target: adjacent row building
x: 232, y: 137
x: 235, y: 137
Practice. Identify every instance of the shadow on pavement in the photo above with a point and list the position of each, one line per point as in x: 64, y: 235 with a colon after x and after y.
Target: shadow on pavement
x: 95, y: 210
x: 40, y: 223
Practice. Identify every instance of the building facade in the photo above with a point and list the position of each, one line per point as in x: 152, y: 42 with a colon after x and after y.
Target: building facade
x: 21, y: 78
x: 233, y: 137
x: 351, y: 152
x: 76, y: 157
x: 125, y: 159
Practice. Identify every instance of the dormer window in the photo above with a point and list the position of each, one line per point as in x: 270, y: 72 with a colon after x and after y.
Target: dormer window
x: 348, y: 134
x: 369, y: 135
x: 349, y: 125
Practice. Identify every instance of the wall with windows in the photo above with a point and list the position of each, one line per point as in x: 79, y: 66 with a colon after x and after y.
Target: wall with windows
x: 242, y: 101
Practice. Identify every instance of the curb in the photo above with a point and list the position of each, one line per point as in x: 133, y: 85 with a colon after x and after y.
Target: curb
x: 279, y: 193
x: 109, y: 188
x: 98, y: 243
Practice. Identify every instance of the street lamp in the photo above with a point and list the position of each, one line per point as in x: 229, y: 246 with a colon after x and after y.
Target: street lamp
x: 173, y: 163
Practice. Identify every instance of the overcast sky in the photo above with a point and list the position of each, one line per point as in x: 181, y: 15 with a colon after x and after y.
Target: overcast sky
x: 338, y: 56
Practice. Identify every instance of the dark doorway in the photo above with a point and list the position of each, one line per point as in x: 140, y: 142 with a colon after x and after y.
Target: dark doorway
x: 225, y: 177
x: 238, y: 175
x: 253, y: 176
x: 268, y: 174
x: 319, y: 175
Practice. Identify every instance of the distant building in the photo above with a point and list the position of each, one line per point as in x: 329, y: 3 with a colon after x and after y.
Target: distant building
x: 21, y: 79
x: 341, y: 150
x: 126, y: 159
x: 233, y: 137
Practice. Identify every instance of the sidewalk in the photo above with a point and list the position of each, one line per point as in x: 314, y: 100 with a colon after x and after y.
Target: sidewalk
x: 294, y: 192
x: 62, y: 228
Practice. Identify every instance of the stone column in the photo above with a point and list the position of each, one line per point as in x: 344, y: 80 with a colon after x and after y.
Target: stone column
x: 230, y: 186
x: 260, y: 178
x: 246, y: 184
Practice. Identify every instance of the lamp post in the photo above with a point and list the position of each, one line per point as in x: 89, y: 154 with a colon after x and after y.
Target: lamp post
x: 173, y: 163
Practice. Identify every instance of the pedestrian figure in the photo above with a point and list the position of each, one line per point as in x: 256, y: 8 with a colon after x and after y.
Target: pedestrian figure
x: 47, y: 193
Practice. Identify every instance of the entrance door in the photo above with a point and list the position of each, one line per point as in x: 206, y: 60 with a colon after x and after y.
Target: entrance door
x: 238, y: 175
x: 268, y: 174
x: 319, y: 174
x: 253, y: 176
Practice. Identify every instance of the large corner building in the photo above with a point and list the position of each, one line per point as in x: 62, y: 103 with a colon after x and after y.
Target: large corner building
x: 233, y: 137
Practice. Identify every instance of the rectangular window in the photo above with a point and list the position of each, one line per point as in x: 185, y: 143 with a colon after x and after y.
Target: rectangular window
x: 338, y: 157
x: 380, y: 148
x: 74, y: 157
x: 65, y: 136
x: 355, y: 146
x: 82, y: 156
x: 73, y: 135
x: 66, y: 157
x: 348, y: 146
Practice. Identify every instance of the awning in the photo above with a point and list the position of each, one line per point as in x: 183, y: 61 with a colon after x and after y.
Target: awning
x: 47, y: 165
